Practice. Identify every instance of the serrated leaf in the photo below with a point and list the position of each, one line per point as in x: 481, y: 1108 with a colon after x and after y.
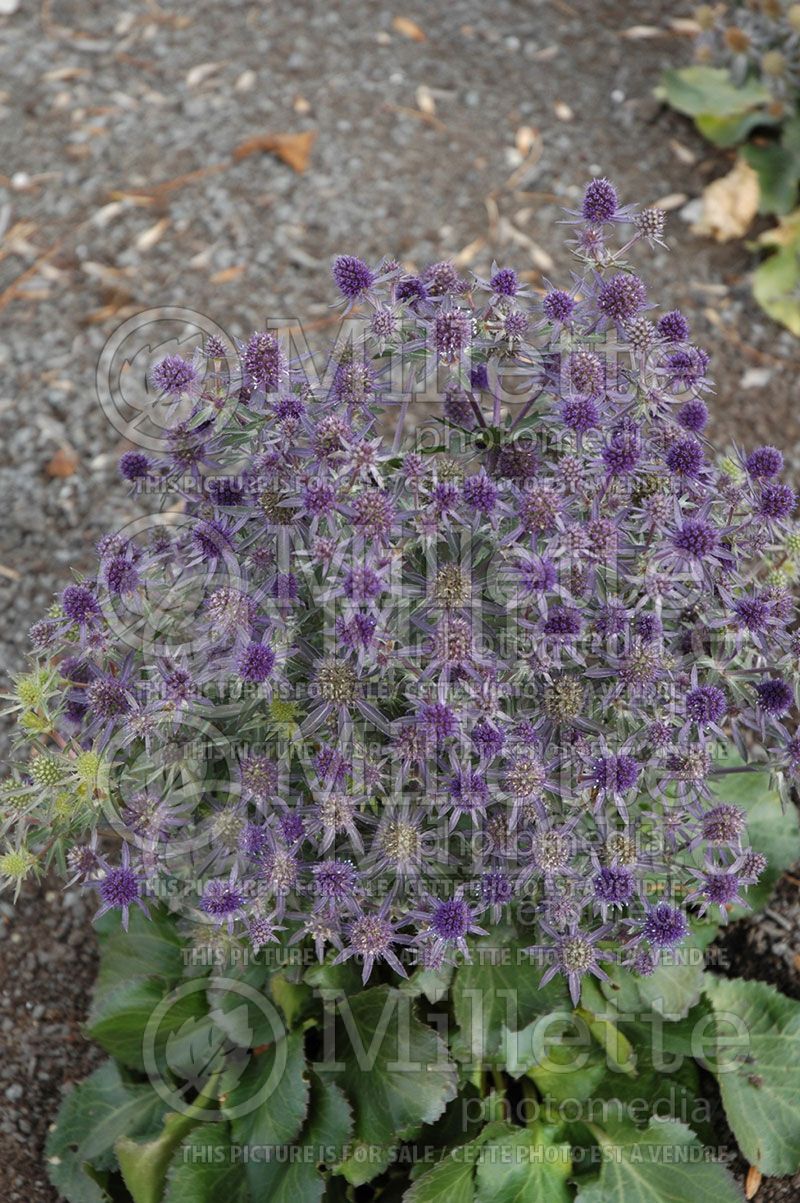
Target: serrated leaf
x: 662, y: 1164
x: 760, y: 1094
x: 295, y: 1178
x: 268, y: 1104
x: 701, y: 90
x: 500, y: 988
x: 524, y: 1165
x: 395, y: 1071
x: 120, y: 1019
x: 150, y: 948
x: 92, y: 1117
x: 203, y: 1170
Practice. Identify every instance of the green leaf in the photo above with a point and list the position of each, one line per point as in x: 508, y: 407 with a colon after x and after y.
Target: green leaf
x: 150, y: 948
x: 673, y: 989
x: 295, y: 1178
x: 203, y: 1170
x: 772, y: 827
x: 394, y: 1069
x: 776, y: 281
x: 662, y: 1164
x: 451, y: 1180
x: 698, y: 91
x: 760, y: 1090
x: 92, y: 1117
x: 500, y: 988
x: 122, y: 1020
x: 730, y: 131
x: 778, y: 168
x: 268, y: 1104
x: 524, y: 1165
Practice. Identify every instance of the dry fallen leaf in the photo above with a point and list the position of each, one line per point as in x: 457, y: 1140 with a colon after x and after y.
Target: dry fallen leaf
x: 752, y: 1182
x: 201, y: 73
x: 425, y: 101
x: 408, y: 28
x: 152, y: 235
x: 673, y: 200
x: 729, y: 204
x: 292, y: 149
x: 682, y: 153
x: 638, y: 33
x: 526, y: 138
x: 228, y: 274
x: 64, y: 463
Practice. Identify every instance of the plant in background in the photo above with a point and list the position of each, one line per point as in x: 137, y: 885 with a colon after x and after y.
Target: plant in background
x: 403, y: 755
x: 744, y: 90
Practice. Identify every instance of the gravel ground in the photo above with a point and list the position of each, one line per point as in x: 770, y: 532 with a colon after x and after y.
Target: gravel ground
x: 118, y: 124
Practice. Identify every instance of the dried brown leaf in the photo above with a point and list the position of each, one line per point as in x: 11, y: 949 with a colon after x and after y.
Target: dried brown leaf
x: 752, y: 1182
x: 292, y: 149
x: 64, y: 463
x: 409, y: 29
x: 639, y: 33
x: 729, y: 204
x: 153, y: 234
x: 228, y: 274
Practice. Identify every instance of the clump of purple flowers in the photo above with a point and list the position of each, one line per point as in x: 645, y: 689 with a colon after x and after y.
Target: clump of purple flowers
x: 430, y: 682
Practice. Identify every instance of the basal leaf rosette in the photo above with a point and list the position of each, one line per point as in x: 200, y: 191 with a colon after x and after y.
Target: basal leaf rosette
x: 462, y: 624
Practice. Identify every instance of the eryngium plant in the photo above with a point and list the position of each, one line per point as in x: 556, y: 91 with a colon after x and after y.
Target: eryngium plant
x: 379, y: 696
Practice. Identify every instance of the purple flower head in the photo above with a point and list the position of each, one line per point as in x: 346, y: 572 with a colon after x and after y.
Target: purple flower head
x: 439, y: 721
x: 563, y: 622
x: 775, y: 696
x: 457, y: 409
x: 776, y: 502
x: 480, y: 493
x: 452, y: 919
x: 121, y: 575
x: 764, y: 462
x: 580, y: 414
x: 614, y: 885
x: 685, y: 457
x: 753, y: 613
x: 134, y: 465
x: 600, y: 202
x: 79, y: 604
x: 537, y: 575
x: 441, y: 278
x: 622, y: 297
x: 585, y: 373
x: 696, y: 538
x: 222, y: 900
x: 452, y: 333
x: 622, y: 454
x: 412, y: 290
x: 664, y: 926
x: 505, y: 282
x: 255, y: 662
x: 373, y: 514
x: 319, y: 498
x: 263, y: 361
x: 335, y: 883
x: 173, y: 375
x: 558, y: 306
x: 673, y: 327
x: 496, y: 888
x: 693, y: 415
x: 285, y: 587
x: 351, y: 276
x: 488, y: 740
x: 107, y: 698
x: 383, y: 322
x: 615, y: 774
x: 362, y: 584
x: 724, y: 824
x: 515, y: 323
x: 706, y: 704
x: 686, y: 369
